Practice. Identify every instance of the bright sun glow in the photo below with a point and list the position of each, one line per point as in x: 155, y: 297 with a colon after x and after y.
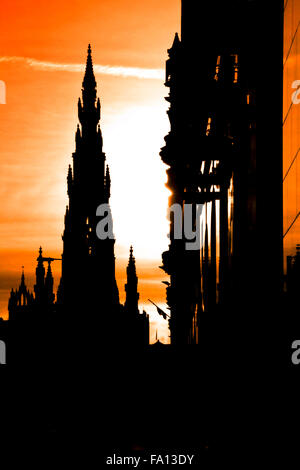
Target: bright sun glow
x: 139, y: 197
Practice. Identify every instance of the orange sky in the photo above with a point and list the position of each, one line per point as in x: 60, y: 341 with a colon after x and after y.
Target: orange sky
x: 291, y: 130
x: 42, y: 45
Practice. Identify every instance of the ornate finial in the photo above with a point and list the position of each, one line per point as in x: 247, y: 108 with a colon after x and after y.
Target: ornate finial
x: 89, y: 81
x: 131, y: 252
x: 89, y: 95
x: 40, y: 257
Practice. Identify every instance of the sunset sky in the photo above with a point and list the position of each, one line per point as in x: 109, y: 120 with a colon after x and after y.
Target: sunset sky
x: 42, y: 55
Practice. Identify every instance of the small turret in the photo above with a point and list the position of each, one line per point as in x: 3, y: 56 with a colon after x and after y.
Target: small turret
x: 78, y: 135
x: 19, y: 300
x: 40, y: 277
x: 67, y: 218
x: 98, y: 109
x: 49, y: 285
x: 107, y: 183
x: 70, y: 180
x: 175, y: 46
x: 99, y: 136
x: 79, y: 109
x: 22, y: 278
x: 132, y: 295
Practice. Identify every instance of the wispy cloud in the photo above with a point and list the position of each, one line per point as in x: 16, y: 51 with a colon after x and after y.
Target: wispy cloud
x: 118, y: 71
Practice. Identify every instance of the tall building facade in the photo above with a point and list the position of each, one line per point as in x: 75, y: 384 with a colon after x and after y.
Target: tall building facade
x: 224, y: 153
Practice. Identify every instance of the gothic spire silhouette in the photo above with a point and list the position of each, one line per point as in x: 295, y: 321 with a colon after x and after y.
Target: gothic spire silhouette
x: 176, y: 41
x: 88, y: 112
x: 87, y: 296
x: 89, y: 80
x: 49, y: 285
x: 132, y: 295
x: 88, y: 263
x: 19, y: 300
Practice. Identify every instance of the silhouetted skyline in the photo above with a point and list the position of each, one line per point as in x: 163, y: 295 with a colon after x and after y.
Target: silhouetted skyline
x: 87, y: 293
x: 35, y: 158
x: 232, y: 308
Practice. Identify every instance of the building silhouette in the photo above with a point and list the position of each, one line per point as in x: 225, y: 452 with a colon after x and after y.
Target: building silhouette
x: 291, y: 137
x: 224, y: 154
x: 225, y: 122
x: 290, y: 177
x: 138, y: 323
x: 21, y: 301
x: 88, y: 263
x: 87, y: 306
